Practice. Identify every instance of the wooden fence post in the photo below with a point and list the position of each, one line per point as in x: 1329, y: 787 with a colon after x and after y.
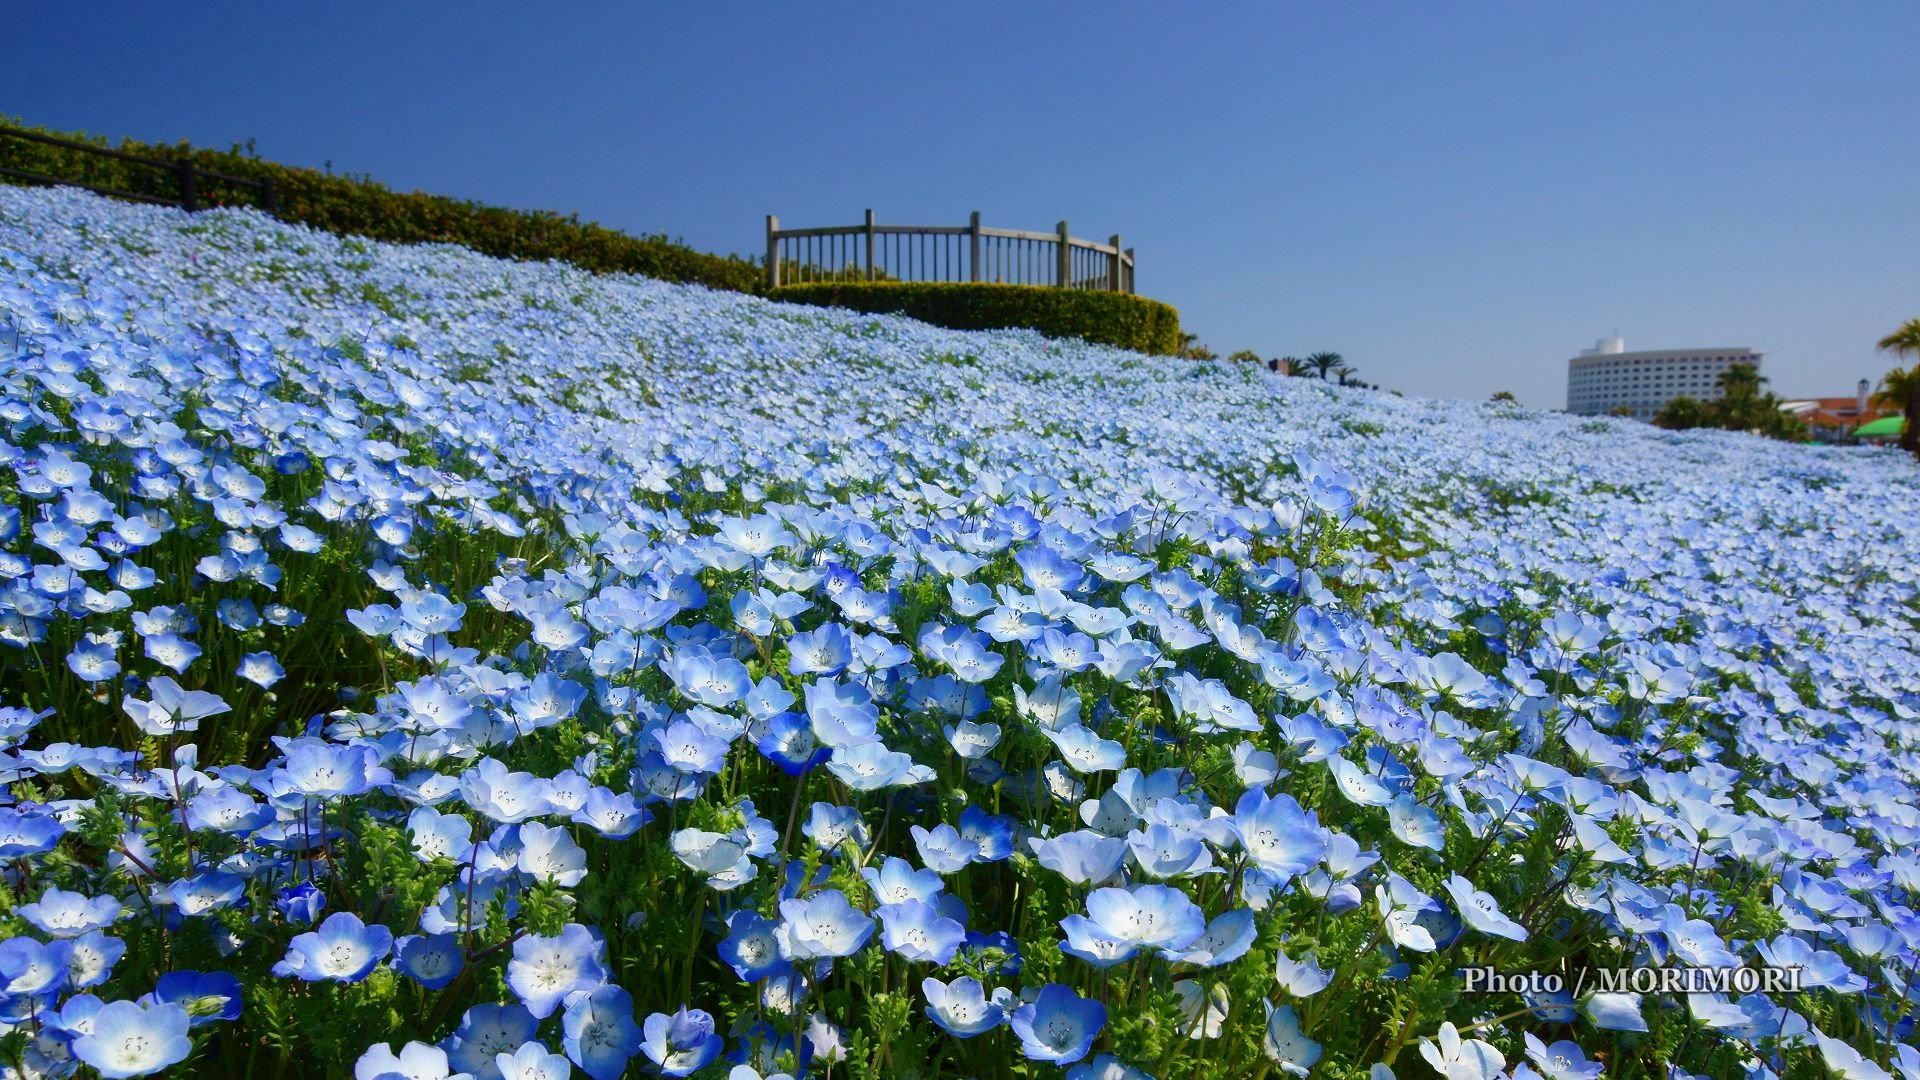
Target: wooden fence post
x: 1113, y: 264
x: 1129, y: 269
x: 1063, y: 276
x: 773, y: 252
x: 973, y: 233
x: 269, y: 198
x: 189, y: 198
x: 871, y: 274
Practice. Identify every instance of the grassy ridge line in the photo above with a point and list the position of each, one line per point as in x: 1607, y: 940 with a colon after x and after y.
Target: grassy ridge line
x: 362, y: 206
x: 1118, y: 319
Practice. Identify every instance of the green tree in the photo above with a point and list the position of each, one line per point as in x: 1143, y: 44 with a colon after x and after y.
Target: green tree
x: 1504, y: 395
x: 1191, y: 349
x: 1744, y: 404
x: 1246, y: 356
x: 1685, y: 412
x: 1900, y: 387
x: 1323, y: 363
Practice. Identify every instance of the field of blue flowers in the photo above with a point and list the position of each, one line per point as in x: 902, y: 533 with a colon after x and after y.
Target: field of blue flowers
x: 416, y: 665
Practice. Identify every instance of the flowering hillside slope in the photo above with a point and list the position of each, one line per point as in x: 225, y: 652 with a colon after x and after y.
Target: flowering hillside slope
x: 416, y: 664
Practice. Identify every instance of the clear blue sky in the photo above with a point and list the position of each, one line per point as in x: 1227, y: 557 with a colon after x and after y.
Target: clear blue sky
x: 1455, y: 196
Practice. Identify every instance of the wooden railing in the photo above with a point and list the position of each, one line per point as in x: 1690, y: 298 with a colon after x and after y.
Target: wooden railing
x: 970, y: 252
x: 189, y: 179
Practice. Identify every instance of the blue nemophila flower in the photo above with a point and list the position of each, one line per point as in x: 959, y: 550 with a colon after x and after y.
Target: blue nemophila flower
x: 1083, y: 857
x: 1227, y: 938
x: 62, y: 914
x: 681, y: 1044
x: 544, y: 970
x: 300, y: 903
x: 614, y: 815
x: 600, y: 1035
x: 972, y: 741
x: 439, y: 836
x: 829, y: 826
x: 24, y: 832
x: 503, y: 795
x: 870, y: 766
x: 432, y: 960
x: 1286, y: 1045
x: 789, y: 742
x: 29, y: 968
x: 171, y: 708
x: 716, y: 682
x: 94, y: 661
x: 963, y: 1008
x: 208, y: 996
x: 1818, y: 967
x: 415, y: 1061
x: 1106, y: 1067
x: 1481, y: 911
x: 1468, y: 1059
x: 127, y: 1039
x: 487, y: 1031
x: 752, y: 946
x: 1300, y: 978
x: 171, y: 651
x: 341, y: 949
x: 1086, y: 752
x: 1401, y: 906
x: 825, y: 650
x: 1058, y: 1025
x: 1147, y: 916
x: 1162, y: 851
x: 1562, y: 1060
x: 1277, y: 833
x: 1694, y: 941
x: 227, y: 809
x: 201, y: 893
x: 916, y: 930
x: 895, y: 881
x: 548, y: 853
x: 711, y: 853
x: 1045, y: 568
x: 823, y: 925
x: 89, y: 958
x: 689, y: 748
x: 942, y: 849
x: 321, y: 770
x: 843, y: 714
x: 533, y: 1061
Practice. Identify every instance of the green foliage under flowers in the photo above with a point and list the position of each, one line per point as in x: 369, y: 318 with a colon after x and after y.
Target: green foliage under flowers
x: 1122, y: 319
x: 362, y: 206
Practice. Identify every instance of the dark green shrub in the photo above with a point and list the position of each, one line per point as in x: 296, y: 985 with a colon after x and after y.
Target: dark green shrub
x: 362, y: 206
x: 1130, y: 322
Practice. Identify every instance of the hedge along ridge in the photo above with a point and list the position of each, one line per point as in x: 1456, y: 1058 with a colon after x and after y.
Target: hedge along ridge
x: 362, y: 206
x: 1107, y: 318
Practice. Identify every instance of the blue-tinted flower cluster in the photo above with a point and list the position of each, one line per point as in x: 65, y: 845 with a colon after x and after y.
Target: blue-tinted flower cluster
x: 420, y: 665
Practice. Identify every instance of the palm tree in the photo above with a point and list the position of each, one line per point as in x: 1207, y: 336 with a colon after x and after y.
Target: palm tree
x: 1901, y: 386
x: 1323, y: 362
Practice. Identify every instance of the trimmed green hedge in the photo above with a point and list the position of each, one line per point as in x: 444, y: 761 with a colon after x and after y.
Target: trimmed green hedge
x: 362, y: 206
x: 1130, y: 322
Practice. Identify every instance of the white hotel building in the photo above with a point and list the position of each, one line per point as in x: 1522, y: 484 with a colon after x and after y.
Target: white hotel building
x: 1608, y: 377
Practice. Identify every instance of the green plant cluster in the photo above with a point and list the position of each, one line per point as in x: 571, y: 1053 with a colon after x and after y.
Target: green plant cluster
x: 361, y: 206
x: 1742, y: 406
x: 1107, y: 318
